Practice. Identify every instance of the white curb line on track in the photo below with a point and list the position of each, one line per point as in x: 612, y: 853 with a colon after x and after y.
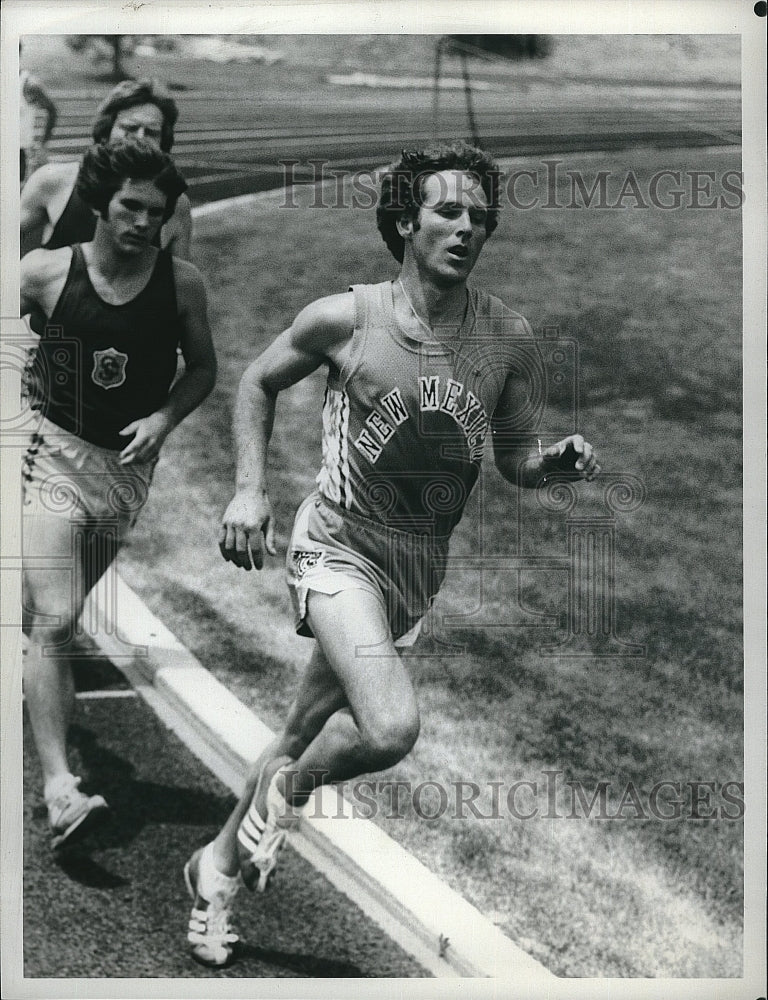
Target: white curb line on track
x: 416, y: 909
x: 239, y: 201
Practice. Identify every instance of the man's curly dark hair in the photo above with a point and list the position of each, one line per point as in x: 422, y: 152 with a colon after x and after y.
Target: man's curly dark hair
x: 128, y: 94
x: 402, y: 184
x: 105, y: 168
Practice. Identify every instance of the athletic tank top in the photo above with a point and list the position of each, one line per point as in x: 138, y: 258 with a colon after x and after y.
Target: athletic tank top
x: 77, y: 224
x: 404, y: 422
x: 98, y: 367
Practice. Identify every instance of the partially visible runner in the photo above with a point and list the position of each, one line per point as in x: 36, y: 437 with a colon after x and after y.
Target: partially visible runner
x: 134, y: 108
x: 33, y: 97
x: 419, y: 369
x: 110, y: 315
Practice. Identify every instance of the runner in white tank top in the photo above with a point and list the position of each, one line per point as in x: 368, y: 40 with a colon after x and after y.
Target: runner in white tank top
x: 420, y: 369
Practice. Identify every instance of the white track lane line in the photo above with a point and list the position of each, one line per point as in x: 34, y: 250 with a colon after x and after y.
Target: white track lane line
x: 99, y: 695
x: 254, y: 198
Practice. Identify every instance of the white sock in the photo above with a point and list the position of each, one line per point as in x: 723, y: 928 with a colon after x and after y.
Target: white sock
x: 58, y: 785
x: 212, y: 884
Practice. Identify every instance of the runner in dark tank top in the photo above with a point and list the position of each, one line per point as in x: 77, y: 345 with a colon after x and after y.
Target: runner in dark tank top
x: 52, y: 213
x: 76, y: 224
x: 110, y: 314
x: 127, y: 353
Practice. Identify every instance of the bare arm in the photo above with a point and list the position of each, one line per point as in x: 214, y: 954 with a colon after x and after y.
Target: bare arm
x: 35, y: 94
x: 30, y: 283
x: 35, y: 196
x: 177, y: 232
x: 199, y: 376
x: 524, y: 465
x: 319, y: 334
x: 42, y: 277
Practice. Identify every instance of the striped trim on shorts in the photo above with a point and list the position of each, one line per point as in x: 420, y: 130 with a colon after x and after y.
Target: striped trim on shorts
x: 65, y: 476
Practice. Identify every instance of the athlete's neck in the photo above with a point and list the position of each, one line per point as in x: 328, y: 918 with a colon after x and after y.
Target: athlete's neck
x: 434, y: 306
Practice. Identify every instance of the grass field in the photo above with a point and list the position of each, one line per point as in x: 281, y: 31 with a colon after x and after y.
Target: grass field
x: 301, y: 75
x: 652, y: 298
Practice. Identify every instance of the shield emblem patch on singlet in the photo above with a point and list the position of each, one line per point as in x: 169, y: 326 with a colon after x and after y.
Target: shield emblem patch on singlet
x: 109, y: 368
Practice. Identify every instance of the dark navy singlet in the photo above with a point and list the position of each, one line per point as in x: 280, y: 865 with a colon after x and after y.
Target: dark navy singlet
x: 98, y: 367
x: 77, y: 224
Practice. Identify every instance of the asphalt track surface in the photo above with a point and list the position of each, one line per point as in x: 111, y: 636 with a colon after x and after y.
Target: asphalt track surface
x: 115, y: 906
x: 227, y: 145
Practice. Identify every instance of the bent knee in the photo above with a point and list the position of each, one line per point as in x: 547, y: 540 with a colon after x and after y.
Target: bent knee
x: 390, y: 740
x: 50, y: 629
x: 50, y: 614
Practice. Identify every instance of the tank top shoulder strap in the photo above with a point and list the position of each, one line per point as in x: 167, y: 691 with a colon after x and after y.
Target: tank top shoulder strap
x: 497, y: 317
x: 482, y: 304
x: 163, y: 280
x: 366, y: 314
x: 76, y: 284
x: 78, y: 268
x: 76, y: 224
x: 378, y: 304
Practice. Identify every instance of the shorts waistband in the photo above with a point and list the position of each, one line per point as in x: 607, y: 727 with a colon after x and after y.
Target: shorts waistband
x: 387, y: 530
x: 51, y: 429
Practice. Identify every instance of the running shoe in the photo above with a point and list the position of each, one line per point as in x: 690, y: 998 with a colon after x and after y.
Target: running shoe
x: 73, y: 814
x: 259, y: 839
x: 210, y: 932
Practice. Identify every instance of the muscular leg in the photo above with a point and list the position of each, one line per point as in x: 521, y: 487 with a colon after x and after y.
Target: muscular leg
x: 53, y: 601
x: 318, y: 697
x: 380, y: 722
x: 354, y: 712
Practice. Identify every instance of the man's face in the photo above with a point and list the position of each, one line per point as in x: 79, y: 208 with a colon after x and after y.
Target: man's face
x: 451, y: 226
x: 142, y: 121
x: 135, y: 214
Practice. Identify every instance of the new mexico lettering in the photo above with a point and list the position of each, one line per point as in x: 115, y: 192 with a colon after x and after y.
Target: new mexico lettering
x: 451, y: 398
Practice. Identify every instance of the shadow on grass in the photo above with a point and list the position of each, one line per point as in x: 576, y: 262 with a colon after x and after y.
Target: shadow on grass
x: 704, y: 644
x: 216, y: 641
x: 491, y: 663
x: 96, y: 673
